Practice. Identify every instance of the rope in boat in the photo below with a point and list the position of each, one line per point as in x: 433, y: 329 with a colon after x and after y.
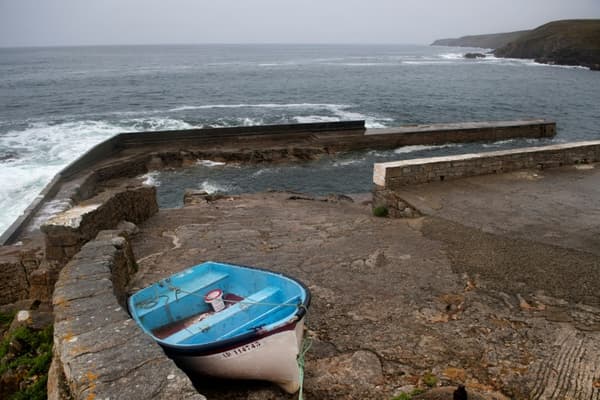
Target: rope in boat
x: 178, y: 290
x: 150, y: 303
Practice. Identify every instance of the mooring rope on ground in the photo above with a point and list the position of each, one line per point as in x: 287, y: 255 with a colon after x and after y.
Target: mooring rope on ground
x: 306, y: 343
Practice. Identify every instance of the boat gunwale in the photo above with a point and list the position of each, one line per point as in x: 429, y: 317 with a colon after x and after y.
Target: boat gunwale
x: 218, y: 346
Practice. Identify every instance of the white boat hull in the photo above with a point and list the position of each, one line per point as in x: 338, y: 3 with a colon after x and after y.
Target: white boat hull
x: 271, y: 358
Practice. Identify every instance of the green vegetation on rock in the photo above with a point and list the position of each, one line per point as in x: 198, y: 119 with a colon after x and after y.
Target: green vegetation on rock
x: 430, y: 380
x: 5, y: 320
x: 567, y: 42
x: 25, y: 356
x: 409, y: 396
x: 380, y: 211
x: 490, y: 41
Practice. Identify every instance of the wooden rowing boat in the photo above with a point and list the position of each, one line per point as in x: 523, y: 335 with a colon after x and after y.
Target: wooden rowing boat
x: 227, y: 321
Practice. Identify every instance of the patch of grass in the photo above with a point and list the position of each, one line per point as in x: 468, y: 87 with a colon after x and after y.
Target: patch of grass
x: 36, y: 391
x: 430, y: 379
x: 35, y: 355
x: 6, y: 319
x: 381, y: 211
x: 409, y: 396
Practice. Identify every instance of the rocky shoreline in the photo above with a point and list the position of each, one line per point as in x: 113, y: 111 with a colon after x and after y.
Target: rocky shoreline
x: 568, y: 42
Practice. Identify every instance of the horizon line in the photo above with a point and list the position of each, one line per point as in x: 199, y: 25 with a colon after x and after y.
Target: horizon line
x: 33, y: 46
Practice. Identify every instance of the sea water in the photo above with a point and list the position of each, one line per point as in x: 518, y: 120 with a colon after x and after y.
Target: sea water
x: 55, y: 103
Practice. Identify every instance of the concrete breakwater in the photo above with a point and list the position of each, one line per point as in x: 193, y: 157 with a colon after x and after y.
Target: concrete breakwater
x: 136, y: 153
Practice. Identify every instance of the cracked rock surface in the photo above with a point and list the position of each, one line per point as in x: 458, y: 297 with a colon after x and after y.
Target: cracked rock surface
x: 397, y: 304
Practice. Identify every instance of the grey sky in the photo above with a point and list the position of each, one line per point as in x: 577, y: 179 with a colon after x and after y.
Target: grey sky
x: 76, y: 22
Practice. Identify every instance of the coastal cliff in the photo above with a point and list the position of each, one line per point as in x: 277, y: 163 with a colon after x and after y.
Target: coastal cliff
x: 568, y: 42
x: 489, y: 41
x: 565, y: 42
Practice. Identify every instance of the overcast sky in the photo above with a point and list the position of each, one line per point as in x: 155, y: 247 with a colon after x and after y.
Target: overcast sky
x: 94, y: 22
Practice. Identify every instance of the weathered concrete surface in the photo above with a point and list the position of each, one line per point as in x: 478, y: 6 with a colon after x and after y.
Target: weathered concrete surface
x: 99, y: 352
x: 558, y: 207
x: 392, y: 301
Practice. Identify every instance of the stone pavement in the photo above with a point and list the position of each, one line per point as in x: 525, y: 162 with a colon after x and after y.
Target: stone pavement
x: 463, y: 295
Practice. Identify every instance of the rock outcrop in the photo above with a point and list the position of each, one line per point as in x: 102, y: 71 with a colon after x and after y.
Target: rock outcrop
x: 568, y: 42
x: 474, y: 55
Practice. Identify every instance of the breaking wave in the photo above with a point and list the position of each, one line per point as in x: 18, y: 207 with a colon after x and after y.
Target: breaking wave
x: 209, y: 163
x: 35, y: 154
x: 151, y: 178
x: 417, y: 148
x: 211, y: 187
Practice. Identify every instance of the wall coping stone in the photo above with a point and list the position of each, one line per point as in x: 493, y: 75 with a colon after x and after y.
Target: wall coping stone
x: 383, y: 171
x: 98, y: 349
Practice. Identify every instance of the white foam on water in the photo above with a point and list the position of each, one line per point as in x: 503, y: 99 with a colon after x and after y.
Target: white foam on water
x: 346, y: 163
x: 306, y: 119
x: 258, y: 105
x: 274, y: 64
x: 49, y: 210
x: 362, y: 64
x: 453, y: 56
x: 370, y: 121
x: 532, y: 63
x: 151, y: 178
x: 498, y: 143
x: 340, y: 112
x: 42, y: 149
x: 491, y: 58
x: 239, y: 121
x: 377, y: 153
x: 209, y: 163
x: 213, y: 187
x: 430, y: 62
x: 20, y: 186
x: 265, y: 171
x: 157, y: 124
x: 418, y: 147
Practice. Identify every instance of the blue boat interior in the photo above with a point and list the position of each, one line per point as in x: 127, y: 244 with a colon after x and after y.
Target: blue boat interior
x: 255, y: 300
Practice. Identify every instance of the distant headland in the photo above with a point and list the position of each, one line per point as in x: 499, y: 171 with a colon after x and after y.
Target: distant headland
x: 489, y: 41
x: 566, y: 42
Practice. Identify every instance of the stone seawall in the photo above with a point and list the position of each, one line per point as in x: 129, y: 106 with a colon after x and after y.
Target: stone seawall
x: 29, y: 270
x: 258, y: 144
x: 465, y: 132
x: 99, y: 352
x: 396, y: 174
x: 389, y: 178
x: 66, y: 232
